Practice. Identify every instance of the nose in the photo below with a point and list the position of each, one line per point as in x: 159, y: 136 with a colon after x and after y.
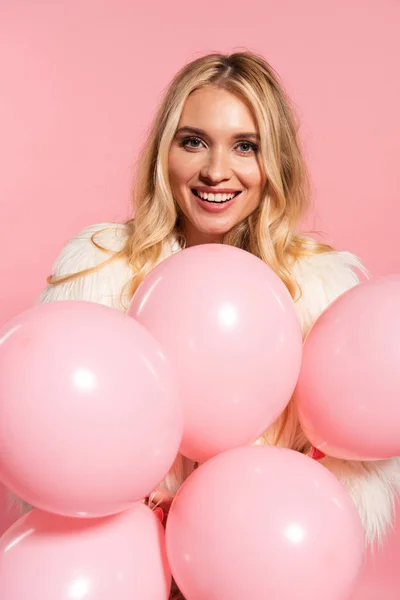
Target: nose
x: 216, y: 167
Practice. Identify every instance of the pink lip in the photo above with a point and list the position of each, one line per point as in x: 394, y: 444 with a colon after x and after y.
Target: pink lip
x: 214, y: 207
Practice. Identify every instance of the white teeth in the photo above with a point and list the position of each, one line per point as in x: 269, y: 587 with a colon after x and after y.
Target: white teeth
x: 215, y: 197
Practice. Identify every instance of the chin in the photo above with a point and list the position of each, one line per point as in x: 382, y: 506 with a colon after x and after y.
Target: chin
x: 215, y: 228
x: 214, y: 234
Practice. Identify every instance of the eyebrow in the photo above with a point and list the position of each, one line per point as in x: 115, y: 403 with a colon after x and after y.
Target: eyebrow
x: 237, y: 136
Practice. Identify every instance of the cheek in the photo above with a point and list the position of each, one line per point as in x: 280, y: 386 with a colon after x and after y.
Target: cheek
x: 182, y: 167
x: 251, y: 175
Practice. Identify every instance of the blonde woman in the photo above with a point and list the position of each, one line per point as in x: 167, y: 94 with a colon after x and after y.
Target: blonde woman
x: 223, y: 164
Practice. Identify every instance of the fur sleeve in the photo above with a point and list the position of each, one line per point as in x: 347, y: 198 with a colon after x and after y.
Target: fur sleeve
x: 104, y: 285
x: 372, y: 485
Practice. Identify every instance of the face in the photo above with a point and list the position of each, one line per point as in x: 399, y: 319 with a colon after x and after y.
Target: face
x: 214, y: 166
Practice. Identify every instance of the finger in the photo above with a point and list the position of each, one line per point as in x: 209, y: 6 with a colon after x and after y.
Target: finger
x: 160, y: 496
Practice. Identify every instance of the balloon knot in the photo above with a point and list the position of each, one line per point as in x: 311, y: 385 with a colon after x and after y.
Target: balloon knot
x: 315, y: 453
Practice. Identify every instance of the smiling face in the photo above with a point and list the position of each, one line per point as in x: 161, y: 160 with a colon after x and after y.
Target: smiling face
x: 214, y: 169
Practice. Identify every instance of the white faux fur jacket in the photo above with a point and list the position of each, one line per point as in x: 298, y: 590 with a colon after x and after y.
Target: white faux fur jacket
x: 322, y: 278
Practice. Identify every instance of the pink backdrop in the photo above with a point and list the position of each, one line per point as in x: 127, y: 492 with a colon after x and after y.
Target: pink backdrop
x: 79, y: 81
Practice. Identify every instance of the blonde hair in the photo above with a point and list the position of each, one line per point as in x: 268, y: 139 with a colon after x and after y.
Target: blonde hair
x: 271, y: 232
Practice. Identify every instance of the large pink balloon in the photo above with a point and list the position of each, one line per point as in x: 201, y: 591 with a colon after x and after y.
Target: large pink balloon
x: 115, y: 558
x: 229, y: 326
x: 348, y: 393
x: 264, y: 522
x: 90, y: 418
x: 380, y: 577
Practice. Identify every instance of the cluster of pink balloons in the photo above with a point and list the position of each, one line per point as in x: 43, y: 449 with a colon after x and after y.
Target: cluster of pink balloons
x: 95, y: 406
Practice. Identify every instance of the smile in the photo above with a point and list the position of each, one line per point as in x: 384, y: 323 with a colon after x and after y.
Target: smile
x: 215, y: 198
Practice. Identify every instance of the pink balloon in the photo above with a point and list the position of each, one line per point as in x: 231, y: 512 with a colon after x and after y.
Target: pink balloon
x: 50, y: 557
x: 229, y: 326
x: 349, y: 386
x: 90, y: 418
x: 380, y: 576
x: 264, y: 522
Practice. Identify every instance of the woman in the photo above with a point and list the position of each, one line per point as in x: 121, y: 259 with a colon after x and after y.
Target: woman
x: 223, y: 164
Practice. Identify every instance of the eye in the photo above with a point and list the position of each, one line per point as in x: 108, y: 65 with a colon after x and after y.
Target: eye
x: 191, y: 143
x: 247, y: 147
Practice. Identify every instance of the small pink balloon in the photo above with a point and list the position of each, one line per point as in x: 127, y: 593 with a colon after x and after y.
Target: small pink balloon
x: 264, y: 522
x: 50, y: 557
x: 90, y: 418
x: 349, y: 386
x: 229, y: 326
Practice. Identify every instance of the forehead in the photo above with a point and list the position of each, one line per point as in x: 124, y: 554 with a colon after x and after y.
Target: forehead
x: 217, y: 111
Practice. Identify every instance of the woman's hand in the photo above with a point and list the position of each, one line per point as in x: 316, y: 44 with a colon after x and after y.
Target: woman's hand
x: 160, y: 501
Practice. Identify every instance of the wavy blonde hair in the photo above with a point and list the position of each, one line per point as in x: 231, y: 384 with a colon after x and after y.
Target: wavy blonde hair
x: 271, y: 232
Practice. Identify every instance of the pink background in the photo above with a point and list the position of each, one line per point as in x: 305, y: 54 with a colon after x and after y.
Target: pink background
x: 79, y: 82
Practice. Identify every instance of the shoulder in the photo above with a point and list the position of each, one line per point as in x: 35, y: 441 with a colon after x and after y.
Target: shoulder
x: 91, y: 248
x: 322, y: 278
x: 94, y: 269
